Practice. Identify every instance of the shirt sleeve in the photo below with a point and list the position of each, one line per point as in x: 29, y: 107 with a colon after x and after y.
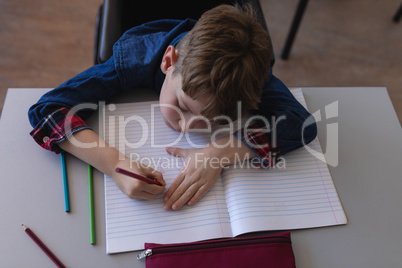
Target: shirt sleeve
x: 48, y: 116
x: 56, y: 128
x: 258, y: 141
x: 283, y: 129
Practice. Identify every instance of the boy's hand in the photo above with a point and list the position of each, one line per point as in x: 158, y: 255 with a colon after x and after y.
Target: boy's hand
x: 197, y: 177
x: 137, y: 189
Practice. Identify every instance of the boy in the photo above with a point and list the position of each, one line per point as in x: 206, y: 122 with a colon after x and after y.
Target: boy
x: 202, y: 69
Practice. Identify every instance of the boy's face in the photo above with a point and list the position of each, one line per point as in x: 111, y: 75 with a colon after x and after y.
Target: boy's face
x: 180, y: 111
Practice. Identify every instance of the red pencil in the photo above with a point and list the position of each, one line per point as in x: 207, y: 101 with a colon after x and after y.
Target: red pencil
x: 43, y: 247
x: 136, y: 176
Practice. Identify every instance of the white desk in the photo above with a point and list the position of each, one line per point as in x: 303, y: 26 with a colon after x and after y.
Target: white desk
x: 368, y: 179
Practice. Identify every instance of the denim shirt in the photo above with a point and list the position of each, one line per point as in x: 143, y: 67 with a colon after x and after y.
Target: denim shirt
x: 136, y: 64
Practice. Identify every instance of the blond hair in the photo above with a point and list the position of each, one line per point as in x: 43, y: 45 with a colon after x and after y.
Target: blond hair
x: 225, y: 58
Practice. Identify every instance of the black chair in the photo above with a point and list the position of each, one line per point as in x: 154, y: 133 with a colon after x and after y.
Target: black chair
x: 301, y: 7
x: 116, y: 16
x: 398, y: 14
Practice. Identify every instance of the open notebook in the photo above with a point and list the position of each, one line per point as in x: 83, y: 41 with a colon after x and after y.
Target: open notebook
x: 302, y: 195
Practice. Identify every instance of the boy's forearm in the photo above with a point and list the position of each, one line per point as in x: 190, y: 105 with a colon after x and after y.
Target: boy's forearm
x: 99, y: 154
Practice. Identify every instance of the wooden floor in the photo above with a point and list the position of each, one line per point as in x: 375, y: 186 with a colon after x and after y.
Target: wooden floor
x: 340, y: 43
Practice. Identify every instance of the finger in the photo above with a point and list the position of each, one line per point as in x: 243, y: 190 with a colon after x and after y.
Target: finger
x: 153, y: 189
x: 147, y: 196
x: 149, y: 172
x: 154, y: 174
x: 187, y: 164
x: 177, y: 188
x: 198, y: 195
x: 176, y: 151
x: 185, y: 197
x: 172, y: 188
x: 141, y: 195
x: 183, y: 193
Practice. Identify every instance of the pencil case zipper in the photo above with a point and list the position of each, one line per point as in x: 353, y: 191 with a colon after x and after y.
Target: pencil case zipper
x: 211, y: 245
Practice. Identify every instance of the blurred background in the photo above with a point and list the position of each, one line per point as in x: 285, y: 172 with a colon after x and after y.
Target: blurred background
x: 339, y: 43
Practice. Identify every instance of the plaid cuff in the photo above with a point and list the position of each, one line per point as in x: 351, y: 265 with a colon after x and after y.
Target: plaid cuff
x: 57, y: 127
x: 258, y: 141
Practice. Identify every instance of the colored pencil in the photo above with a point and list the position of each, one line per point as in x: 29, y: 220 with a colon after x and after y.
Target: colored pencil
x: 43, y: 247
x: 65, y: 183
x: 136, y: 176
x: 91, y: 205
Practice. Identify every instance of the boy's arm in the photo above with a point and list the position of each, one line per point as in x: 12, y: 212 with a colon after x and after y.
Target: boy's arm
x: 285, y: 130
x: 53, y: 116
x: 57, y: 121
x: 89, y: 147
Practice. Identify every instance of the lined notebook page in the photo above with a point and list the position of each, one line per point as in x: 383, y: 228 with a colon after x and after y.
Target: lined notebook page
x: 243, y: 200
x: 302, y: 195
x: 130, y: 223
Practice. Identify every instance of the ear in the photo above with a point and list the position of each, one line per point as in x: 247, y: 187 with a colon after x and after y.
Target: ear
x: 169, y: 59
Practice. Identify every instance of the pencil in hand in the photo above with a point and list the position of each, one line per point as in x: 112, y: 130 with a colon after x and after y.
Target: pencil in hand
x: 43, y: 247
x: 137, y: 176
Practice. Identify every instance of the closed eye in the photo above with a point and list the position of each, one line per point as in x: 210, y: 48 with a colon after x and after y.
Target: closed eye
x: 182, y: 108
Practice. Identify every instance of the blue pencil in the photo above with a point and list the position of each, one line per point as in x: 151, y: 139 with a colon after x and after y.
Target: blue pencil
x: 65, y: 183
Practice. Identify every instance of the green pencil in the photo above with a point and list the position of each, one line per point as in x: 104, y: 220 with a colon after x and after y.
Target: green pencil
x: 91, y: 205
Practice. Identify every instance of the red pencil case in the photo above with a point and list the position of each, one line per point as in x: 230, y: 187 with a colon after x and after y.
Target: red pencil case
x: 262, y: 251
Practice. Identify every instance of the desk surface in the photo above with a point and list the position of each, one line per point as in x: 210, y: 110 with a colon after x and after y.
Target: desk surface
x: 368, y: 178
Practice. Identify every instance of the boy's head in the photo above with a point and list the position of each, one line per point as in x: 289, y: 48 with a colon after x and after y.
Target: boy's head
x: 224, y: 59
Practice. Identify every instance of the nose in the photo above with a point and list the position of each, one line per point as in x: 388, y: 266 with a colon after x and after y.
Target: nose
x: 186, y: 122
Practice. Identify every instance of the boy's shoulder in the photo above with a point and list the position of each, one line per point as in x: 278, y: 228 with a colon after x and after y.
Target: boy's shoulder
x: 138, y: 53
